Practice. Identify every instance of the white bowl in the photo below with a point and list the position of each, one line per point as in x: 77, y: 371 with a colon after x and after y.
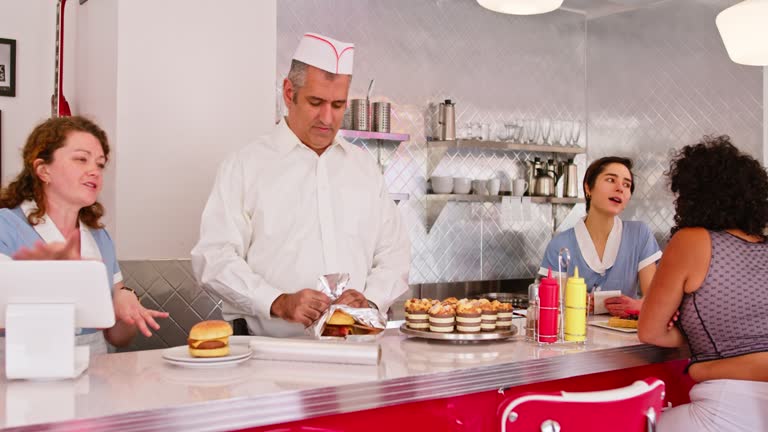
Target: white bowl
x: 441, y: 185
x: 462, y: 185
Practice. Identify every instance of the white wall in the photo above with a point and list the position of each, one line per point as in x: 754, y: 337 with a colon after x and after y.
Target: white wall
x: 32, y: 24
x: 96, y: 84
x: 195, y: 81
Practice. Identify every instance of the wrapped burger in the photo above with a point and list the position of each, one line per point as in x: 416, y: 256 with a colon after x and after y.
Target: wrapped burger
x: 343, y: 320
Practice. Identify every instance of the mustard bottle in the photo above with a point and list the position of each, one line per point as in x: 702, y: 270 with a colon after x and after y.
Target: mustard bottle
x: 575, y: 308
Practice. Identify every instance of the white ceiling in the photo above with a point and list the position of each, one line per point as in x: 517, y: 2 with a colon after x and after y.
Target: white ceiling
x: 598, y: 8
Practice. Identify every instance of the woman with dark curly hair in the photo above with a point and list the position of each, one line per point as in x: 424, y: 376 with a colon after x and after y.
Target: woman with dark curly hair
x: 611, y: 254
x: 50, y: 211
x: 714, y: 272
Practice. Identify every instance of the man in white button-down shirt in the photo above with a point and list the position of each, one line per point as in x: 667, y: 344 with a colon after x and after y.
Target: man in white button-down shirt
x: 300, y: 203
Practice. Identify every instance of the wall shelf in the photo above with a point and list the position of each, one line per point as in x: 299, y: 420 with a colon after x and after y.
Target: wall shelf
x: 370, y: 135
x: 379, y: 138
x: 436, y: 202
x: 397, y: 197
x: 437, y: 149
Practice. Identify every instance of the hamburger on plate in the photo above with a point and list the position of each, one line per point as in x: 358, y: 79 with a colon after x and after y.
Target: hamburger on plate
x: 209, y: 339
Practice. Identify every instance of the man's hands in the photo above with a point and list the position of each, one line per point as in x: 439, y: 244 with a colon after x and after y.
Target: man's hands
x: 307, y: 305
x: 303, y: 307
x: 352, y: 298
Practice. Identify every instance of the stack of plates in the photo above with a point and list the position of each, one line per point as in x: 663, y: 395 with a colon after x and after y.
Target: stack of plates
x: 179, y: 356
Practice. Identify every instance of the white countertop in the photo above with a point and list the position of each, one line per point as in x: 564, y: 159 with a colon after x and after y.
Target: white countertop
x: 170, y: 397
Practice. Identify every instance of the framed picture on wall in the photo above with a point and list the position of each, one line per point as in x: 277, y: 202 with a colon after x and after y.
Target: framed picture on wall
x: 7, y: 67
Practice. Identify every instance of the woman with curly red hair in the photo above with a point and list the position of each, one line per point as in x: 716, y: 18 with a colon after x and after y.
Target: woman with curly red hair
x: 714, y: 272
x: 50, y: 211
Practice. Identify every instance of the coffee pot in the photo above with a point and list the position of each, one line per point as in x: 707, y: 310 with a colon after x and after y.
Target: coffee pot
x: 571, y: 180
x: 544, y: 184
x: 532, y: 169
x: 447, y: 121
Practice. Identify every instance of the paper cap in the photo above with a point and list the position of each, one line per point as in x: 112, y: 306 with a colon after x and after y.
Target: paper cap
x: 325, y: 53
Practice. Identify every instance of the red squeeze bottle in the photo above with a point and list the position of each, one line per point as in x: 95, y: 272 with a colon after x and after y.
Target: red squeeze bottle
x: 549, y: 307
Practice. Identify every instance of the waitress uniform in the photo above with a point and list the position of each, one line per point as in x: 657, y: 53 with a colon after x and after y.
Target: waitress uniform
x: 630, y: 248
x: 95, y: 244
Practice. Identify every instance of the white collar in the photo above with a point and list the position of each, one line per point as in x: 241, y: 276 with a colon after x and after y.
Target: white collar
x: 51, y: 234
x: 587, y: 247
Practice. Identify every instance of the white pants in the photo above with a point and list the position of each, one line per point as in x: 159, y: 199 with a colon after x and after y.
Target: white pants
x: 720, y: 406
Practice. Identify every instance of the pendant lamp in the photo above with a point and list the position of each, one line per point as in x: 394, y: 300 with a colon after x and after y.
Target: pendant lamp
x: 521, y: 7
x: 744, y: 29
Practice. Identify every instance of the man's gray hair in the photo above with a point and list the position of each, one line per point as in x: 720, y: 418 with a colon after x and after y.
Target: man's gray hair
x: 298, y: 76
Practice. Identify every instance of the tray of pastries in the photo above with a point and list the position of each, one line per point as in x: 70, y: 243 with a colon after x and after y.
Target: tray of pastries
x: 462, y: 320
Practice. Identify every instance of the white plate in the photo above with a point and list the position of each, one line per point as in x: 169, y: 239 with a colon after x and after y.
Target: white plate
x: 225, y: 363
x: 181, y: 354
x: 604, y: 324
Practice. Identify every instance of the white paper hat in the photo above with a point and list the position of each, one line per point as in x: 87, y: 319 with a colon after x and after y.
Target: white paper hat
x: 325, y: 53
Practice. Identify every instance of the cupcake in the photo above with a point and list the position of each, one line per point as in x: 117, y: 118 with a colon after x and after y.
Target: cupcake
x: 452, y: 301
x: 468, y: 317
x: 417, y: 313
x: 442, y: 318
x: 488, y: 316
x: 504, y: 315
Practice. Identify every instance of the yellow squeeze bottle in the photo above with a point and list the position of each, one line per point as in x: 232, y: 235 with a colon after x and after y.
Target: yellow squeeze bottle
x: 575, y: 308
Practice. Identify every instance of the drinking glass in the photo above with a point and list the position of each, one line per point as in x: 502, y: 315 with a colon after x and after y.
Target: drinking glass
x: 545, y: 125
x: 557, y: 132
x: 567, y: 132
x: 531, y: 131
x: 576, y: 133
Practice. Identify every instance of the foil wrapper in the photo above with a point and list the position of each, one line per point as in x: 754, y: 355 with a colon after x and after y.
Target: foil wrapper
x: 333, y: 285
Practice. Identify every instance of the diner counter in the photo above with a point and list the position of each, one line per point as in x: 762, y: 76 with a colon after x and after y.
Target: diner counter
x: 140, y: 391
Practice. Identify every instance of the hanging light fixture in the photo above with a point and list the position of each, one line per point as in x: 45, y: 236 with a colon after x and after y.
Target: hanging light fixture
x: 521, y: 7
x: 744, y: 29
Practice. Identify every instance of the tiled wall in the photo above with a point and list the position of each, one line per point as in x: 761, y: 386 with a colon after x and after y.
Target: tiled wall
x: 658, y: 79
x: 655, y: 79
x: 168, y: 285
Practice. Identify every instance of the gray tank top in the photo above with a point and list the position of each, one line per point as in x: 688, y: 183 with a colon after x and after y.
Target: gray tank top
x: 728, y: 315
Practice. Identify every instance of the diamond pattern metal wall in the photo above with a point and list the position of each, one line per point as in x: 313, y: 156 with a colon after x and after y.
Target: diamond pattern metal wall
x: 658, y: 79
x: 497, y: 68
x: 169, y: 286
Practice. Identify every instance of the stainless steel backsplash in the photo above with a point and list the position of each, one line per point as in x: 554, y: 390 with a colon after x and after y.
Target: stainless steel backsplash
x: 644, y: 82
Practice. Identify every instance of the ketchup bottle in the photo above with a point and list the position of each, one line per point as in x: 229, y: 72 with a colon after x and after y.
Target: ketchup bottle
x: 549, y: 307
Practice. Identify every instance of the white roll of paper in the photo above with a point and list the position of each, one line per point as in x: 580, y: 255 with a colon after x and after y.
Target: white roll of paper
x: 310, y: 350
x: 600, y: 297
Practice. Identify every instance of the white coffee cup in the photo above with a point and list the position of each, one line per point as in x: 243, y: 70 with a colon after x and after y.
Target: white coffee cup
x: 519, y: 187
x: 479, y: 187
x: 462, y: 185
x: 493, y: 186
x: 441, y: 185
